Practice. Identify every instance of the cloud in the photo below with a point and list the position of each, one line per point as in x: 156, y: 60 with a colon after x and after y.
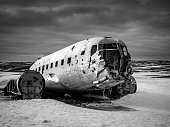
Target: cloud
x: 109, y: 12
x: 38, y: 25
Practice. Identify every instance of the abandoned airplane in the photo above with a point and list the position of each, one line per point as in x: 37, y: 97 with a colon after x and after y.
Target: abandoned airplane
x: 98, y: 67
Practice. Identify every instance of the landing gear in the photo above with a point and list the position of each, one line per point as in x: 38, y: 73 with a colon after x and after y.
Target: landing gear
x: 131, y: 82
x: 120, y: 90
x: 128, y: 87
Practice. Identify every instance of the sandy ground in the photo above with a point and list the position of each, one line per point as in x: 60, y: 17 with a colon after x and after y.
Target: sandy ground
x: 149, y: 107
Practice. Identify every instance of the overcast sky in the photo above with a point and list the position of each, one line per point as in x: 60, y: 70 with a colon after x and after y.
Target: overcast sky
x: 33, y: 28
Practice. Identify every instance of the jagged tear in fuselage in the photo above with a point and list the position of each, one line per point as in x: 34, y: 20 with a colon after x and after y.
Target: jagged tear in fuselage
x: 114, y: 70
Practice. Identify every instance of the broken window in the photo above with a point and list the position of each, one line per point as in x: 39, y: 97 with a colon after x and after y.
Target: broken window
x: 56, y: 63
x: 39, y: 69
x: 51, y: 65
x: 83, y: 52
x: 108, y: 46
x: 46, y: 66
x: 124, y: 50
x: 42, y: 69
x: 93, y: 49
x: 69, y: 60
x: 62, y: 62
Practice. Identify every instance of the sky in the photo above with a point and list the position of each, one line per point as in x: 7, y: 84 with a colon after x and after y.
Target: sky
x: 30, y: 29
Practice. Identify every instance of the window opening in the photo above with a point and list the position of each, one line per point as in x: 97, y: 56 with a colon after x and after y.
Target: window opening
x: 51, y: 65
x: 124, y: 50
x: 46, y: 66
x: 62, y: 62
x: 39, y: 69
x: 69, y: 60
x: 108, y: 46
x: 83, y: 52
x: 56, y: 63
x: 84, y: 72
x: 42, y: 69
x: 93, y: 49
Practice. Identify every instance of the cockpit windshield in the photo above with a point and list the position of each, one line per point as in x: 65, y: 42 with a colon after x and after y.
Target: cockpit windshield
x: 124, y: 49
x: 108, y: 46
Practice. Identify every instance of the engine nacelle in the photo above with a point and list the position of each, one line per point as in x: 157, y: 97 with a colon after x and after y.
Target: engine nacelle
x: 30, y: 85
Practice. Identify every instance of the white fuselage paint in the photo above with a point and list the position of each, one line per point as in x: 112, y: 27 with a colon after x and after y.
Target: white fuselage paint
x: 79, y: 74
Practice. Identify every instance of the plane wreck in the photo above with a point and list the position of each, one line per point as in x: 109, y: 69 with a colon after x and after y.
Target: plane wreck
x: 98, y: 67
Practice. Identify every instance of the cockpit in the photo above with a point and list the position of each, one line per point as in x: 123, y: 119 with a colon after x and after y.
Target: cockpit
x: 114, y: 54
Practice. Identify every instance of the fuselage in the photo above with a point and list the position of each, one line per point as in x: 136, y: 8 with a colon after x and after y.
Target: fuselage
x: 93, y: 64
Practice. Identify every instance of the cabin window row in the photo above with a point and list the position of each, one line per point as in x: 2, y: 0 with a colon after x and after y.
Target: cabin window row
x: 56, y: 63
x: 52, y: 64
